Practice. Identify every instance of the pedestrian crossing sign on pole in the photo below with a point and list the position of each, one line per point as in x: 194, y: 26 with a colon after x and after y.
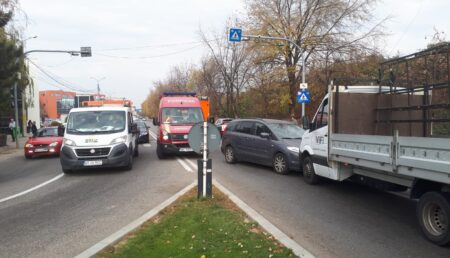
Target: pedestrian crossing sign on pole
x: 303, y: 96
x: 235, y: 35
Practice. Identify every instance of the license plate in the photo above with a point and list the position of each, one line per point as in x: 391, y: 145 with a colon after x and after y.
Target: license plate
x: 186, y: 149
x: 93, y: 163
x: 40, y: 150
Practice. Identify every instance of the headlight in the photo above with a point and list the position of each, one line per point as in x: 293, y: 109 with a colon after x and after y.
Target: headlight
x: 53, y: 144
x: 29, y: 145
x: 166, y: 137
x: 294, y: 149
x: 119, y: 140
x: 69, y: 142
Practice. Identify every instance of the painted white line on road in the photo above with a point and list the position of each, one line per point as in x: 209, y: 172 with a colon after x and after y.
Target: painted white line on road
x: 114, y: 238
x: 269, y: 227
x: 184, y: 165
x: 191, y: 163
x: 32, y: 189
x: 152, y: 134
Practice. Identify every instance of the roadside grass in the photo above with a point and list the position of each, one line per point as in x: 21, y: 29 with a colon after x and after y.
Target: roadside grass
x: 199, y: 228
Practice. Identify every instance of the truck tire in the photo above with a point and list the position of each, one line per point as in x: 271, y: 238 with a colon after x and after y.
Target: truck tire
x: 129, y: 166
x: 136, y: 151
x: 280, y: 164
x: 230, y: 156
x: 433, y: 213
x: 309, y: 175
x: 159, y: 152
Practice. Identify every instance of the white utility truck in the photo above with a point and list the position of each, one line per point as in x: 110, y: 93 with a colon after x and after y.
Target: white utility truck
x: 103, y: 136
x: 394, y: 137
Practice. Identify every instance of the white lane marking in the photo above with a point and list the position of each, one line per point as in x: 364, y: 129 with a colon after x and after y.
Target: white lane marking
x: 152, y: 134
x: 114, y: 238
x: 269, y: 227
x: 184, y: 165
x: 31, y: 189
x: 194, y: 165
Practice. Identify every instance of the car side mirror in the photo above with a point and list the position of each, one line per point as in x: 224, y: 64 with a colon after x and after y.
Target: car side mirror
x: 134, y: 128
x: 265, y: 135
x: 61, y: 130
x: 211, y: 120
x: 155, y: 121
x: 305, y: 123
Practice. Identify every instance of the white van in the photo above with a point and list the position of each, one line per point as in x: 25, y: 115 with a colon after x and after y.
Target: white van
x: 99, y: 137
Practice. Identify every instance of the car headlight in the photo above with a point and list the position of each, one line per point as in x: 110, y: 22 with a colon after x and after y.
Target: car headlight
x: 166, y: 137
x: 69, y: 142
x: 119, y: 140
x: 53, y: 144
x: 294, y: 149
x: 29, y: 145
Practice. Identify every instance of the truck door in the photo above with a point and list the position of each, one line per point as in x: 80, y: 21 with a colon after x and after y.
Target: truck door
x: 319, y: 140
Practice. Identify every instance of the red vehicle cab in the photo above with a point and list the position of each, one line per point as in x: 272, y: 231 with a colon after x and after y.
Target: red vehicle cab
x: 178, y: 111
x: 46, y: 143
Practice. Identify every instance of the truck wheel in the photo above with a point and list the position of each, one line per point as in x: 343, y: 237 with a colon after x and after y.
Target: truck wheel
x: 159, y: 152
x: 433, y: 212
x: 280, y: 164
x: 129, y: 166
x: 309, y: 175
x: 229, y: 155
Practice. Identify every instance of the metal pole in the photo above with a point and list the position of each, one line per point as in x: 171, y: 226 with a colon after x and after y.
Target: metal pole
x: 205, y: 155
x: 16, y: 110
x: 303, y: 79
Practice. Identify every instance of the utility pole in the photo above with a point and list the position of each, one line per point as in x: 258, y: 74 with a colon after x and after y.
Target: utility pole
x: 98, y: 85
x: 16, y: 110
x: 248, y: 37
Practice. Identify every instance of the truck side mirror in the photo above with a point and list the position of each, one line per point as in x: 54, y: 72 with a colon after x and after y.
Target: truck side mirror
x: 61, y: 130
x: 155, y: 121
x: 305, y: 123
x: 211, y: 120
x: 134, y: 128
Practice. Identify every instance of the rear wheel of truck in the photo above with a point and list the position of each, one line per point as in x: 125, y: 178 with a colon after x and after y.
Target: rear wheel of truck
x: 136, y: 151
x: 159, y: 152
x: 433, y: 212
x: 129, y: 166
x: 309, y: 175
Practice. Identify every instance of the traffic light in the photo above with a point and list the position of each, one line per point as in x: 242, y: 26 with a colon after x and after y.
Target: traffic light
x: 86, y: 51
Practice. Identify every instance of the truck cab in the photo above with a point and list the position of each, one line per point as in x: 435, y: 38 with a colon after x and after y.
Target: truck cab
x: 99, y: 137
x: 178, y: 112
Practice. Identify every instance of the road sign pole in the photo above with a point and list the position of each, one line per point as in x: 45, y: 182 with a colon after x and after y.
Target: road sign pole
x: 205, y: 155
x: 303, y: 79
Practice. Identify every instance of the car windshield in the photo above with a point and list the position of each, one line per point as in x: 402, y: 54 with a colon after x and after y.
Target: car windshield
x: 90, y: 122
x: 181, y: 115
x: 47, y: 132
x: 286, y: 131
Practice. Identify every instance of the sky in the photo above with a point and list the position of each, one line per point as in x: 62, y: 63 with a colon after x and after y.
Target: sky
x: 136, y: 42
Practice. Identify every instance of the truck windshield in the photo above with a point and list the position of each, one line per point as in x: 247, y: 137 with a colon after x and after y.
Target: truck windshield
x: 181, y: 115
x: 286, y: 131
x: 96, y: 122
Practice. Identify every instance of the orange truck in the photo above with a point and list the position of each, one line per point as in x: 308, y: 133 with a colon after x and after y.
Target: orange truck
x: 178, y: 112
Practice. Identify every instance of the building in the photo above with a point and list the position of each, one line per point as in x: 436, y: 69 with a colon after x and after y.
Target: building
x: 54, y: 103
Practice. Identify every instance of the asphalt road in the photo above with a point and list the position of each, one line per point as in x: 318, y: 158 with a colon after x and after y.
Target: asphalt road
x: 74, y: 212
x: 71, y: 214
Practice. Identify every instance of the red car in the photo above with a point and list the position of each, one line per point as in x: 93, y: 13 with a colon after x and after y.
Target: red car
x: 46, y: 143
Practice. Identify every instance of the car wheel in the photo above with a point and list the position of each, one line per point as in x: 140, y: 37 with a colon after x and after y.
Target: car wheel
x: 433, y: 213
x: 280, y: 164
x: 229, y: 155
x: 129, y: 166
x: 309, y: 175
x: 67, y: 171
x: 159, y: 152
x: 28, y: 157
x: 136, y: 151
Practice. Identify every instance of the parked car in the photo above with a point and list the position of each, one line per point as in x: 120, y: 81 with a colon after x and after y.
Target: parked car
x: 222, y: 123
x: 47, y: 143
x: 144, y: 136
x: 268, y: 142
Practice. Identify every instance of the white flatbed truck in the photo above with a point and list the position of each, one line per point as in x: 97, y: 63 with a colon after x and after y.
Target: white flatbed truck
x: 386, y: 137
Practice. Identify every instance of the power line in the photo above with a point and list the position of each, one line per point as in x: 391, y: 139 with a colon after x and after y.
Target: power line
x: 149, y: 57
x: 153, y: 46
x: 54, y: 79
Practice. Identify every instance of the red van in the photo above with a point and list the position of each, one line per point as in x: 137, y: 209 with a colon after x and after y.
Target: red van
x: 178, y: 111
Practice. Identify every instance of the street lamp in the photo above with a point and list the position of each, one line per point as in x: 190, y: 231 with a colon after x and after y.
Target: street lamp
x: 98, y: 85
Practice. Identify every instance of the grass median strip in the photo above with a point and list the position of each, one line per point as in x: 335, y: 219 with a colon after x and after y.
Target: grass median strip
x: 199, y: 228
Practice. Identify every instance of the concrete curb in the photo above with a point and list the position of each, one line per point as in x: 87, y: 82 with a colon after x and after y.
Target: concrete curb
x: 264, y: 223
x: 115, y: 237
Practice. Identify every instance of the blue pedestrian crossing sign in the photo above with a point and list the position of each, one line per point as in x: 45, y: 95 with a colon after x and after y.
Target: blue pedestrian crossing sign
x: 303, y: 96
x: 235, y: 35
